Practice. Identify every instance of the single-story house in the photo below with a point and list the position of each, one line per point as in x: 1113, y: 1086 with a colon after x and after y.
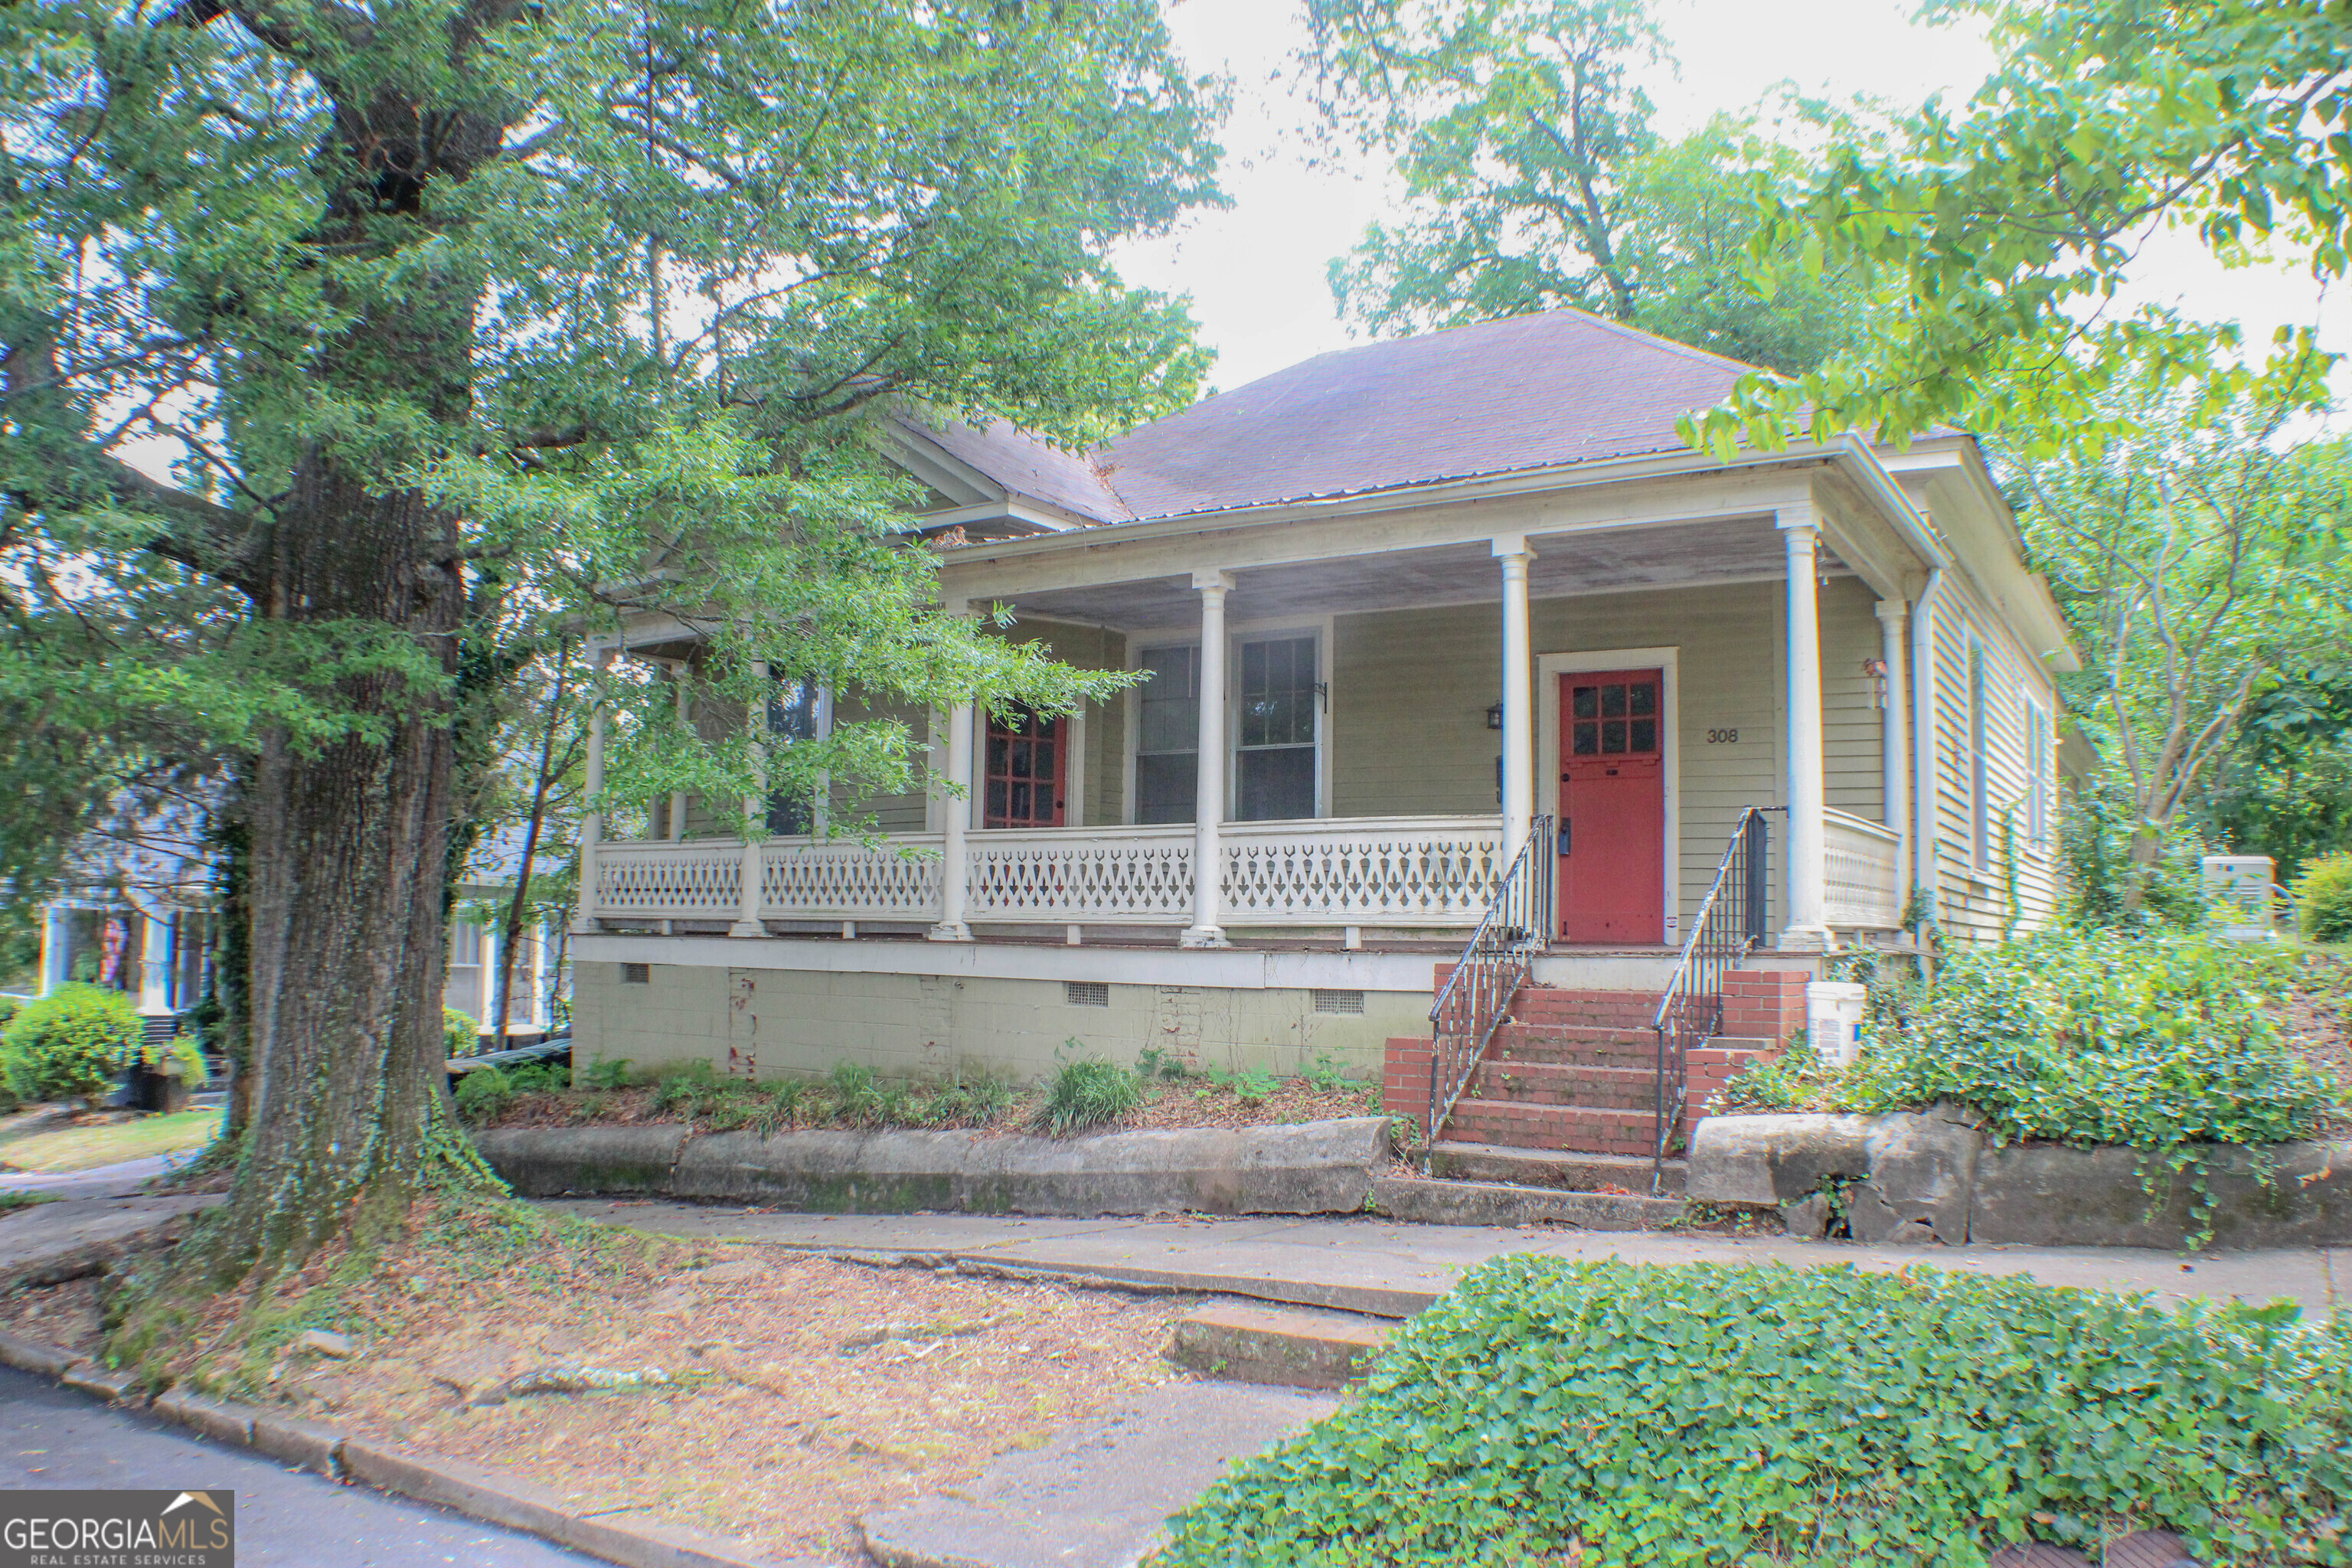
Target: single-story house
x: 1413, y: 614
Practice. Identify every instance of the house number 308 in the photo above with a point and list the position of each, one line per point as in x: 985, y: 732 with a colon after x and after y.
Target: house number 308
x: 1723, y: 737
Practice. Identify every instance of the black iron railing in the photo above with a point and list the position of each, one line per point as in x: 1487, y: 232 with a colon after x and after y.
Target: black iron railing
x: 1729, y: 925
x: 1494, y: 965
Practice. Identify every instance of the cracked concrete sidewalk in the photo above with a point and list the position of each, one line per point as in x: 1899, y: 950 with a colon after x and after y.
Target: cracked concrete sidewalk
x: 1392, y: 1270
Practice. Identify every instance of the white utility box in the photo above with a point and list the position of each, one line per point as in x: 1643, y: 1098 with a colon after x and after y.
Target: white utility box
x: 1833, y: 1020
x: 2237, y: 888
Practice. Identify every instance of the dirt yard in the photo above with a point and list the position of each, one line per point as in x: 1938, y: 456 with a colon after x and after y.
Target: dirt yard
x: 776, y: 1395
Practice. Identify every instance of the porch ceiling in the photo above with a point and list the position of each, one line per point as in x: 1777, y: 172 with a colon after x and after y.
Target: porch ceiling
x: 1601, y: 561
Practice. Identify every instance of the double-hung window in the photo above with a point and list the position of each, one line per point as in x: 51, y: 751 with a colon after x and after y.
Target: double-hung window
x: 1273, y: 745
x: 1168, y: 735
x: 2038, y: 782
x: 792, y: 715
x: 1980, y: 802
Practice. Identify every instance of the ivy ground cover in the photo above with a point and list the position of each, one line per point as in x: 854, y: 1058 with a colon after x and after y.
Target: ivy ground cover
x: 1601, y: 1414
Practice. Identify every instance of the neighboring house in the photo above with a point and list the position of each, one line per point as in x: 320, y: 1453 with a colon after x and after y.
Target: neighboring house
x: 136, y: 914
x: 1402, y: 607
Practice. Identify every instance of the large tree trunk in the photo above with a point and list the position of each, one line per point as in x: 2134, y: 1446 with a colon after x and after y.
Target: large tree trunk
x: 346, y: 898
x: 350, y: 838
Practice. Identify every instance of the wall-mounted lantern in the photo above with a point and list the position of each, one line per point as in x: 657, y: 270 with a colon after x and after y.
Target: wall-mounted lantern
x: 1493, y: 715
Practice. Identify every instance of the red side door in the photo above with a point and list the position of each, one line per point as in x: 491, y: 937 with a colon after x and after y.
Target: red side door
x: 1612, y: 806
x: 1024, y: 768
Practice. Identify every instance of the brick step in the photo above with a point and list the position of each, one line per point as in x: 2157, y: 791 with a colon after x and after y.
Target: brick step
x: 1607, y: 1009
x: 1560, y: 1169
x: 1553, y: 1083
x: 1568, y: 1043
x: 1578, y: 1129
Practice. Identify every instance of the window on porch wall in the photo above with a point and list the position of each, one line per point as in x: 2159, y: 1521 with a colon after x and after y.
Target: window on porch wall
x: 1274, y: 762
x: 1168, y: 745
x: 792, y: 716
x: 1979, y: 807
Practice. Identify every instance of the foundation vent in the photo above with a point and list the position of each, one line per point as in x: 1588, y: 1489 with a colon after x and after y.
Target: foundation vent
x: 637, y: 974
x: 1085, y: 993
x: 1338, y: 1001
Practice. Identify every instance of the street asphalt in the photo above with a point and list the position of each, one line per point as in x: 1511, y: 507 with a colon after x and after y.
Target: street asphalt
x: 51, y: 1436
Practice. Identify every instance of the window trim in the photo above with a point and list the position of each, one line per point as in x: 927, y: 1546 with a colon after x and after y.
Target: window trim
x: 1322, y: 628
x: 2041, y: 747
x: 1976, y: 749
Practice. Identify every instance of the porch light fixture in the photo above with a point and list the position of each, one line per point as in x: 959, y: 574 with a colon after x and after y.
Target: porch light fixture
x: 1493, y: 715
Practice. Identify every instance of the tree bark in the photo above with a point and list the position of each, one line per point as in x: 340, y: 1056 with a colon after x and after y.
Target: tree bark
x: 350, y: 838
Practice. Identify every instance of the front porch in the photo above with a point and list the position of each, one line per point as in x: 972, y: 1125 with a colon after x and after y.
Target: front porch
x: 1416, y: 883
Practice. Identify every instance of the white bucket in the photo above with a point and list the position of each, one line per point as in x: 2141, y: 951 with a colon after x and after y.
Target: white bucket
x: 1833, y: 1020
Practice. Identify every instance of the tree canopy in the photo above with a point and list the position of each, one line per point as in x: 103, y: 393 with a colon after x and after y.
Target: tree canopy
x: 1534, y: 178
x: 2006, y: 226
x: 399, y: 340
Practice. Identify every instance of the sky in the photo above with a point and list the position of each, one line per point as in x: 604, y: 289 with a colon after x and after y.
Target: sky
x: 1256, y: 272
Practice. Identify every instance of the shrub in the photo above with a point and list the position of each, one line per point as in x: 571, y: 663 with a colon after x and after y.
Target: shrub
x: 686, y: 1087
x: 73, y: 1043
x: 461, y: 1035
x: 1549, y: 1411
x: 604, y: 1072
x: 2152, y: 1038
x: 185, y: 1055
x: 2323, y: 899
x: 482, y: 1094
x: 1086, y: 1093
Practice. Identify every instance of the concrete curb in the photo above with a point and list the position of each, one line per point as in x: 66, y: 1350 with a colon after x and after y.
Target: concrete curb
x: 1287, y: 1347
x: 493, y: 1496
x: 1436, y: 1201
x: 1314, y: 1167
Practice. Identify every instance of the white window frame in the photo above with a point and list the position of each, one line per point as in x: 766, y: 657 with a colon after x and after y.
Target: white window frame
x: 1976, y: 747
x: 1319, y: 627
x: 2039, y: 747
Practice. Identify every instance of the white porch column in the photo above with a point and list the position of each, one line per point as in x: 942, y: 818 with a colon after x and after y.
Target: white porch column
x: 955, y: 818
x: 592, y: 821
x: 1807, y: 851
x: 1894, y: 737
x: 154, y: 967
x: 1518, y: 696
x: 755, y: 814
x: 677, y: 824
x: 57, y: 946
x: 1209, y: 795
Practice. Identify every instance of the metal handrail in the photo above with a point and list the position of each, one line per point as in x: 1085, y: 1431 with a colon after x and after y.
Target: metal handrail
x: 1477, y: 997
x: 1729, y: 925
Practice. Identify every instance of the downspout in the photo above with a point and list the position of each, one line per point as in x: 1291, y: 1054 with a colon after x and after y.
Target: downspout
x: 1925, y: 788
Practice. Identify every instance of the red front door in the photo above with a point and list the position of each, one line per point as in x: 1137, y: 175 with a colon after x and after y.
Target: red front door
x: 1024, y: 768
x: 1612, y: 806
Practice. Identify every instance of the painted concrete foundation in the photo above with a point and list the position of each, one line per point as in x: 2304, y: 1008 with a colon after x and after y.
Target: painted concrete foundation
x: 781, y: 1023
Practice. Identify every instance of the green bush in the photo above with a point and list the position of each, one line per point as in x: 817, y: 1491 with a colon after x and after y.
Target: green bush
x: 604, y: 1072
x: 2323, y: 899
x: 1622, y: 1415
x: 1086, y: 1093
x: 2151, y: 1038
x: 183, y: 1054
x: 482, y: 1094
x: 461, y: 1035
x: 73, y: 1044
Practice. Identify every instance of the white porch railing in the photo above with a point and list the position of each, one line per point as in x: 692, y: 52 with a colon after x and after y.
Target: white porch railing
x: 1403, y: 871
x: 1860, y: 890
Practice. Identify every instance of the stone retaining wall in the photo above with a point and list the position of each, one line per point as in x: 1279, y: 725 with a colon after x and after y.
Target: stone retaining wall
x: 1318, y: 1167
x: 1936, y: 1176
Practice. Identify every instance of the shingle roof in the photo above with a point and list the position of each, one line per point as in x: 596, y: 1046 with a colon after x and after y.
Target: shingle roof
x: 1528, y: 392
x: 1027, y: 466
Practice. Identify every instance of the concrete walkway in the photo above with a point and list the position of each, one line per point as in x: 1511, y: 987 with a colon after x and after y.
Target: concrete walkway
x: 1391, y: 1269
